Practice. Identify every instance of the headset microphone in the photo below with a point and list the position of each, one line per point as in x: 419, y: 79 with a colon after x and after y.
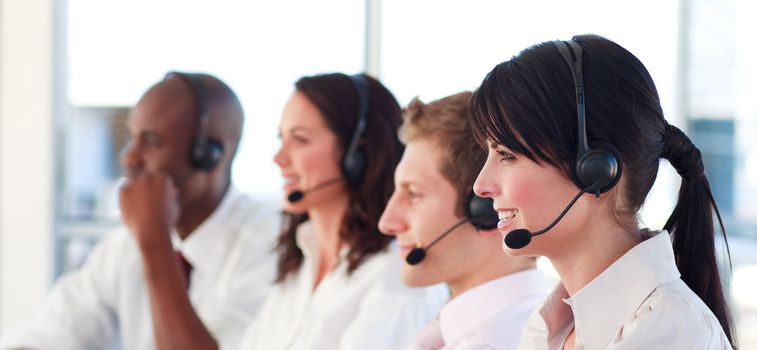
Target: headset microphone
x: 418, y: 254
x: 479, y: 211
x: 521, y: 237
x: 297, y: 195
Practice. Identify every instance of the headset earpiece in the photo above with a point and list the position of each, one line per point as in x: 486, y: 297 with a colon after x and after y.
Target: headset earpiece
x: 354, y: 161
x: 480, y: 212
x: 206, y: 157
x: 598, y: 164
x: 353, y: 166
x: 206, y: 152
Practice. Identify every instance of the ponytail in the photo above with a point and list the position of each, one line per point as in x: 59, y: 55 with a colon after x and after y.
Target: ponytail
x: 691, y: 226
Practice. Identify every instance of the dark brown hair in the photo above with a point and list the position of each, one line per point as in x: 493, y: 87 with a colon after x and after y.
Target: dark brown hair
x: 528, y: 104
x: 336, y: 97
x: 447, y: 121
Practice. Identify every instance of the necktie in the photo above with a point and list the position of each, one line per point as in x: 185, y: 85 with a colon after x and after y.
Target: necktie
x: 184, y: 266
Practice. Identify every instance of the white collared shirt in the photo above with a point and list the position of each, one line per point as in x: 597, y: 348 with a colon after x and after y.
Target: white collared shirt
x: 368, y: 309
x: 492, y: 315
x: 105, y: 304
x: 638, y: 302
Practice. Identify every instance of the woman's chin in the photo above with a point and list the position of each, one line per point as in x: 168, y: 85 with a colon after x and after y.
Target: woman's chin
x: 295, y: 208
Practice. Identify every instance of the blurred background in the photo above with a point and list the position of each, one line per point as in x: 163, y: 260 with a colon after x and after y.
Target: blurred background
x: 70, y: 70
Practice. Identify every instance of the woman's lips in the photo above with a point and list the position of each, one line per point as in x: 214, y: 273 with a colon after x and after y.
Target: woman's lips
x: 405, y: 249
x: 290, y: 183
x: 506, y: 217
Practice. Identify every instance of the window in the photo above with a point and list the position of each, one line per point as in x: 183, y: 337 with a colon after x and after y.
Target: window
x: 721, y: 114
x: 699, y: 52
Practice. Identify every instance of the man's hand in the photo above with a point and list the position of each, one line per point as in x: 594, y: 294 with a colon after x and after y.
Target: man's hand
x: 149, y: 207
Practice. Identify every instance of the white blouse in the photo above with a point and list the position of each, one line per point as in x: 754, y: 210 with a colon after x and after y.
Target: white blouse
x: 638, y: 302
x: 368, y: 309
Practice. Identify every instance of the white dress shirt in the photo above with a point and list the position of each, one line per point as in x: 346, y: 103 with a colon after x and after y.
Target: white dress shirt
x: 491, y: 315
x: 105, y: 304
x: 368, y: 309
x: 638, y: 302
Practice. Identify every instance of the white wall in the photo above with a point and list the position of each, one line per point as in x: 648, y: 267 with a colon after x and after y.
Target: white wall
x: 26, y: 156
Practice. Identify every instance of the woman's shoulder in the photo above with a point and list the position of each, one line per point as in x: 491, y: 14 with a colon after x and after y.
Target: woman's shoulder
x: 673, y: 308
x: 677, y: 296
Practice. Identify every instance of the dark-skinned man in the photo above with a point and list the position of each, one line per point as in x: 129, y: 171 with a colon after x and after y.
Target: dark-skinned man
x: 193, y: 263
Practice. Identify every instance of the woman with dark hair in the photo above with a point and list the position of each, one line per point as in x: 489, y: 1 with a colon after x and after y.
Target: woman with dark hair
x: 338, y: 281
x: 620, y: 284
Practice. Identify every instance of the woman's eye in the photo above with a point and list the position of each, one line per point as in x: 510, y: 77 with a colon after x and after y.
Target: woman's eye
x: 504, y: 156
x: 300, y: 139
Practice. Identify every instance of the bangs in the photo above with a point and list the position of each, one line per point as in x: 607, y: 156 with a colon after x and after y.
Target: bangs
x: 498, y: 115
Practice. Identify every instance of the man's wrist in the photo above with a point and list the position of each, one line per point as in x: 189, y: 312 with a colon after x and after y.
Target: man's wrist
x: 153, y: 239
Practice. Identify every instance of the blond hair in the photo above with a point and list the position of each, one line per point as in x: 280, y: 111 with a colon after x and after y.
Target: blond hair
x: 447, y: 122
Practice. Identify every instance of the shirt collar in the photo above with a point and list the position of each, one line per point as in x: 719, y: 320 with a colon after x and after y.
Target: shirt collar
x: 479, y: 304
x: 622, y: 288
x: 307, y: 241
x: 204, y: 247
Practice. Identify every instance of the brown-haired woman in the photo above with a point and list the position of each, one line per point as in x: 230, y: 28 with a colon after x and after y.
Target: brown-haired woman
x: 338, y: 281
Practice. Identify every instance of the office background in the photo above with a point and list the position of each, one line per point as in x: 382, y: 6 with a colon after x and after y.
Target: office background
x: 70, y: 69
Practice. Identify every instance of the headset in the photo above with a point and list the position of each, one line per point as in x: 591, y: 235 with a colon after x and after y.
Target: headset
x: 354, y: 160
x: 596, y: 165
x: 596, y: 169
x: 479, y: 211
x: 206, y: 152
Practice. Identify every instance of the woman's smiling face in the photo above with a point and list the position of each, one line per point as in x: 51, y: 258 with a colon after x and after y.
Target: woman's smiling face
x: 309, y: 155
x: 530, y: 195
